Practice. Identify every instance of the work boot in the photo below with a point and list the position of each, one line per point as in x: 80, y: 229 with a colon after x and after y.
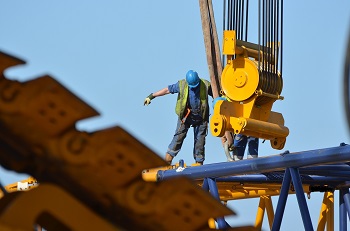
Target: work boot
x: 168, y: 158
x: 252, y: 156
x: 236, y: 158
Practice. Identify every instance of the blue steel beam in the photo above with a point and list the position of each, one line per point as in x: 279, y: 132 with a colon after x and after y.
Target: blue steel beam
x: 278, y: 177
x: 205, y: 185
x: 342, y: 211
x: 340, y: 170
x: 346, y: 197
x: 329, y: 167
x: 210, y: 186
x: 343, y: 174
x: 282, y: 200
x: 304, y: 210
x: 215, y: 193
x: 280, y: 162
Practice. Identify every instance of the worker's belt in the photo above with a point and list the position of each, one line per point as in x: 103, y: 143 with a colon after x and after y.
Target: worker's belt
x: 195, y: 118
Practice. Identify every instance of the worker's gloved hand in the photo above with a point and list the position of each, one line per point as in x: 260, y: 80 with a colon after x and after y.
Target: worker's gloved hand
x: 148, y: 99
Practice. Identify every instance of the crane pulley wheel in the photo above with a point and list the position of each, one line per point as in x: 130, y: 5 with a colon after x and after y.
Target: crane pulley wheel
x: 240, y: 79
x: 269, y: 83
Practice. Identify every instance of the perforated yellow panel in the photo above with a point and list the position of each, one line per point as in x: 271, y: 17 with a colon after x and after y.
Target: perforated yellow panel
x: 101, y: 169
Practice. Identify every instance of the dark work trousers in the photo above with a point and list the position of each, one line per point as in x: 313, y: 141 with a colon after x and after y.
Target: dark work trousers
x: 240, y: 142
x: 200, y: 130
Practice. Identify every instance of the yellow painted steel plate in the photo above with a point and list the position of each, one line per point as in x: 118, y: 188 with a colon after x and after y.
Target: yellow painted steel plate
x: 240, y: 79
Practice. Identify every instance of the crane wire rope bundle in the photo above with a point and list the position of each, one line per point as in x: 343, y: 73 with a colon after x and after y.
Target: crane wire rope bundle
x: 270, y: 35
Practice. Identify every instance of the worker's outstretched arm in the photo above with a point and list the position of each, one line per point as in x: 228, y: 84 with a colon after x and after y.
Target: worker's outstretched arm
x: 161, y: 92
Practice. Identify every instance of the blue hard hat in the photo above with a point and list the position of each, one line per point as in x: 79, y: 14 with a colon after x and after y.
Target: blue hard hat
x: 192, y: 79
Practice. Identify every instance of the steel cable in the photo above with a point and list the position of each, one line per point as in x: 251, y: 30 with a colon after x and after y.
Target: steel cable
x: 259, y: 36
x: 246, y: 20
x: 281, y: 61
x: 277, y: 38
x: 346, y: 82
x: 270, y: 14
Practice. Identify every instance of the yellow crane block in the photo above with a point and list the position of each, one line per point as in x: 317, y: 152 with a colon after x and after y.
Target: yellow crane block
x: 250, y: 91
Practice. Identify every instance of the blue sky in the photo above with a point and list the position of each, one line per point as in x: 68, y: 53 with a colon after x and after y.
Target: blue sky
x: 112, y: 54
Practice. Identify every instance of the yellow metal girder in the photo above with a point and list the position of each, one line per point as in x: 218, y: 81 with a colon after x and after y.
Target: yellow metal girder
x: 22, y: 185
x: 100, y: 169
x: 265, y: 203
x: 51, y: 207
x: 326, y: 218
x: 235, y: 191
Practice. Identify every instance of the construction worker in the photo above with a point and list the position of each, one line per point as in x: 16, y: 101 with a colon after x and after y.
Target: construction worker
x: 192, y: 110
x: 239, y: 145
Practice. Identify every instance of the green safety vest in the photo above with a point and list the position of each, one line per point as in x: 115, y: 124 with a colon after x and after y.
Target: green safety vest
x: 182, y: 97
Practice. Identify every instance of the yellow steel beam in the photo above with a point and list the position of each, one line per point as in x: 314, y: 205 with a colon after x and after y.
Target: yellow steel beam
x: 22, y: 185
x: 323, y: 214
x: 234, y: 190
x: 330, y: 212
x: 260, y: 213
x: 326, y: 218
x: 265, y: 203
x: 52, y: 208
x: 101, y: 169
